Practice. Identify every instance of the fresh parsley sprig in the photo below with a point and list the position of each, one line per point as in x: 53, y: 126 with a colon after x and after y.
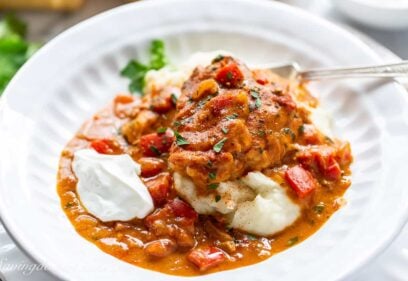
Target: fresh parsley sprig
x: 14, y: 49
x: 136, y: 71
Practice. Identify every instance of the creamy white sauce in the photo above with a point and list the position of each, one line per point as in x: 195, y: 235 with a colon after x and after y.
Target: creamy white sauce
x: 109, y: 186
x: 255, y: 204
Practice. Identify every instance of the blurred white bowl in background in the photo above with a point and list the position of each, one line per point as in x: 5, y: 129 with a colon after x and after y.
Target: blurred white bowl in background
x: 384, y: 14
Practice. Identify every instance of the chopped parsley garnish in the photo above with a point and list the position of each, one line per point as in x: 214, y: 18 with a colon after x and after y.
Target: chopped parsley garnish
x: 255, y: 94
x: 218, y: 146
x: 15, y: 50
x: 161, y: 130
x: 319, y: 208
x: 212, y: 175
x: 180, y: 141
x: 258, y: 101
x: 217, y: 198
x: 177, y: 124
x: 229, y: 75
x: 136, y: 71
x: 288, y: 131
x: 213, y: 185
x: 209, y: 163
x: 261, y: 133
x: 202, y: 102
x: 218, y: 58
x: 155, y: 150
x: 232, y: 116
x: 224, y: 130
x: 251, y: 237
x: 69, y: 205
x: 173, y: 99
x: 301, y: 129
x: 292, y: 241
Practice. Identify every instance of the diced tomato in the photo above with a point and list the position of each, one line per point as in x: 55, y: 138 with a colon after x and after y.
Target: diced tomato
x: 155, y: 144
x: 323, y: 160
x: 161, y: 104
x: 206, y: 258
x: 310, y: 134
x: 329, y: 167
x: 124, y: 99
x: 124, y: 105
x: 151, y: 166
x: 230, y: 76
x: 159, y: 187
x: 105, y: 146
x: 300, y: 180
x: 159, y: 214
x: 182, y: 209
x: 344, y: 156
x: 285, y: 101
x: 221, y: 102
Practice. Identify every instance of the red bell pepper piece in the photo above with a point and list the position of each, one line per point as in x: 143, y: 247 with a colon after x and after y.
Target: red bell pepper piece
x: 206, y: 258
x: 230, y: 76
x: 155, y: 144
x: 300, y: 180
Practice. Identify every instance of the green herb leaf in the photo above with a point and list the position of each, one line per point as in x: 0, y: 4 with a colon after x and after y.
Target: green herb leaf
x: 251, y: 237
x: 261, y: 133
x: 258, y: 101
x: 180, y: 141
x: 161, y: 130
x: 229, y: 75
x: 224, y: 130
x: 218, y: 58
x: 288, y: 131
x: 69, y: 205
x: 292, y: 241
x: 218, y: 146
x: 177, y: 124
x: 11, y: 25
x: 157, y: 55
x: 319, y: 208
x: 155, y: 150
x: 301, y: 129
x: 173, y: 99
x: 232, y: 116
x: 213, y: 185
x: 136, y: 71
x: 217, y: 198
x: 14, y: 49
x: 212, y: 175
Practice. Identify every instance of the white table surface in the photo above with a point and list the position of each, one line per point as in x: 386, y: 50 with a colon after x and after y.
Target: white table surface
x: 391, y: 265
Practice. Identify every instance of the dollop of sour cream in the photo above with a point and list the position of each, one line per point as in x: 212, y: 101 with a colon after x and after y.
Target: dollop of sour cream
x: 109, y: 186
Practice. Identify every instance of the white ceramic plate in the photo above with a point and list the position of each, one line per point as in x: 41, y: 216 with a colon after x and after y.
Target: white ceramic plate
x: 77, y: 73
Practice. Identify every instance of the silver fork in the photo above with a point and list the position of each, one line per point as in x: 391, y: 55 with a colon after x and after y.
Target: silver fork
x: 293, y: 71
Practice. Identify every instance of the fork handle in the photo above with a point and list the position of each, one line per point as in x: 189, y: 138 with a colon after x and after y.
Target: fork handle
x: 389, y: 70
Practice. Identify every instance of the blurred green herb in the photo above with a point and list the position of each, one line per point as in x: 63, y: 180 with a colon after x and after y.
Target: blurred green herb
x: 15, y: 50
x: 292, y: 241
x: 136, y: 71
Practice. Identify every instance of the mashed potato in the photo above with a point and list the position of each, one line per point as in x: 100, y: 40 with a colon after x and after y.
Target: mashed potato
x: 255, y: 204
x: 176, y: 76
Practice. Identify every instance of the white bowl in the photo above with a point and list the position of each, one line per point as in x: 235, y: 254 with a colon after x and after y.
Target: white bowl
x: 383, y: 14
x: 77, y: 73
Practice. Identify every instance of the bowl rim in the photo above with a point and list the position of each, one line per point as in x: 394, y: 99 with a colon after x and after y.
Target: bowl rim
x: 9, y: 225
x: 385, y: 6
